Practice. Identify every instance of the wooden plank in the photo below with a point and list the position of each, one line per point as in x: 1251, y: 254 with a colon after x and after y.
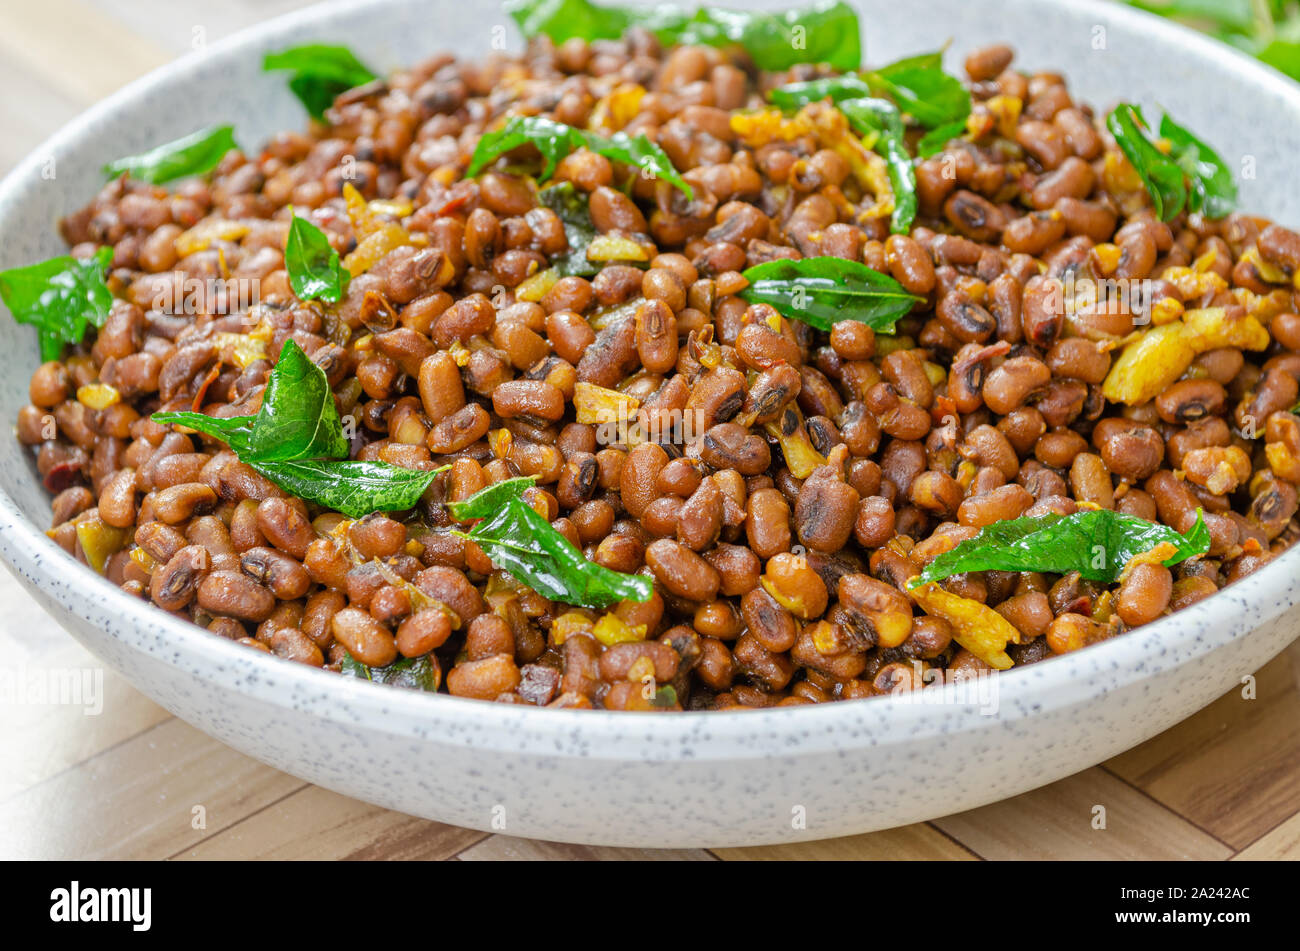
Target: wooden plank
x: 1283, y: 843
x: 508, y: 848
x: 140, y: 800
x: 59, y: 704
x: 917, y: 841
x: 1056, y: 822
x: 314, y: 823
x: 1234, y: 768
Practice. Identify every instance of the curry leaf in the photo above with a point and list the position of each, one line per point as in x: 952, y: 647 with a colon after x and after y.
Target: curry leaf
x: 533, y: 552
x: 487, y: 501
x: 1162, y: 177
x: 193, y: 154
x: 296, y: 440
x: 880, y: 122
x: 821, y: 291
x: 312, y: 263
x: 641, y: 153
x: 923, y: 90
x: 414, y: 673
x: 933, y: 142
x: 1097, y: 543
x: 298, y: 419
x: 876, y: 120
x: 1188, y: 175
x: 575, y: 214
x: 320, y: 73
x: 554, y: 140
x: 1212, y: 189
x: 834, y: 88
x: 823, y: 32
x: 235, y: 431
x: 60, y: 297
x: 352, y: 487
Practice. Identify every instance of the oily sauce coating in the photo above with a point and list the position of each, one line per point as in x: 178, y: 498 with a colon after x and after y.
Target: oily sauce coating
x: 771, y: 588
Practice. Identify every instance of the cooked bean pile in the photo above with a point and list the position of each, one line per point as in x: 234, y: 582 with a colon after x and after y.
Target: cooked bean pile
x: 985, y: 405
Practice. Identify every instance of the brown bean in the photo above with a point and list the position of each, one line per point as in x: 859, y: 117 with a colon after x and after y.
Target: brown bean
x: 1010, y: 384
x: 117, y: 500
x: 1005, y: 502
x: 285, y: 527
x: 988, y: 62
x: 423, y: 632
x: 234, y: 595
x: 484, y: 679
x: 174, y: 584
x: 656, y: 335
x: 638, y: 476
x: 178, y: 503
x: 681, y: 571
x: 286, y: 578
x: 699, y: 520
x: 365, y: 639
x: 1090, y: 480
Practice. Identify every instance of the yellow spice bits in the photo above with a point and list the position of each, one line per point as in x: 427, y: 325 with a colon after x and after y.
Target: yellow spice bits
x: 1158, y: 356
x: 976, y: 626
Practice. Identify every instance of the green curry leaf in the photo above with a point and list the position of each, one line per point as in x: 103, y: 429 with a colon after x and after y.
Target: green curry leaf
x: 413, y: 673
x: 554, y: 140
x: 1187, y: 173
x: 315, y: 272
x: 879, y: 122
x: 1097, y: 543
x: 60, y: 297
x: 821, y: 291
x: 822, y: 32
x: 194, y: 154
x: 320, y: 73
x: 296, y: 440
x: 533, y: 552
x: 575, y: 214
x: 298, y: 419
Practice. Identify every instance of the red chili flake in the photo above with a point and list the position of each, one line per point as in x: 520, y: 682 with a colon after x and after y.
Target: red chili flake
x: 208, y: 380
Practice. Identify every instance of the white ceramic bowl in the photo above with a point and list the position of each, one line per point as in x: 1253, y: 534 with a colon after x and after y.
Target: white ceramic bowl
x: 643, y: 779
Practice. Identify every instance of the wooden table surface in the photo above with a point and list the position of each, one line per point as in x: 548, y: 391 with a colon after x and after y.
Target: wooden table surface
x: 135, y: 782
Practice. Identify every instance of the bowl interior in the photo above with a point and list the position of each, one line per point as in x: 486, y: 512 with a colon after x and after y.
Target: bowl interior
x: 1108, y: 52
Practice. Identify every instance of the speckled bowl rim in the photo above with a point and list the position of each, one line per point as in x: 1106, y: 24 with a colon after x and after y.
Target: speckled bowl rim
x: 1073, y: 679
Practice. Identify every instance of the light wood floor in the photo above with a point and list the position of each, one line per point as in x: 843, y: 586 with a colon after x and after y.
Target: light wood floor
x: 126, y: 783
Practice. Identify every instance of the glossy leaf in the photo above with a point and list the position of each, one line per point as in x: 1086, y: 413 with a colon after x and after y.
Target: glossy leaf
x: 821, y: 291
x: 834, y: 88
x: 1210, y: 184
x: 554, y: 140
x: 298, y: 418
x: 234, y: 431
x: 321, y: 72
x: 488, y: 501
x: 934, y: 141
x: 1189, y: 174
x: 413, y: 673
x: 533, y: 552
x: 574, y: 212
x: 194, y: 154
x: 879, y: 121
x: 920, y: 87
x: 352, y: 487
x: 60, y: 297
x: 297, y: 441
x: 315, y: 272
x: 1097, y: 543
x: 822, y: 32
